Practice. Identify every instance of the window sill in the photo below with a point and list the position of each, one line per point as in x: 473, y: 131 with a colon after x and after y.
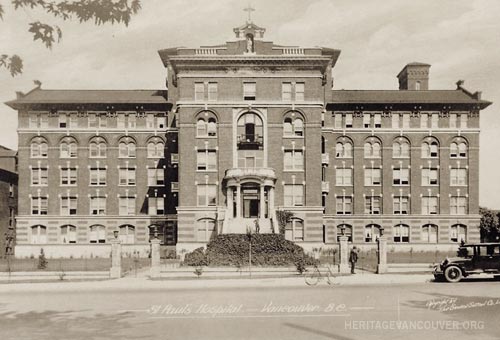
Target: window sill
x: 293, y: 170
x: 206, y: 137
x: 213, y: 171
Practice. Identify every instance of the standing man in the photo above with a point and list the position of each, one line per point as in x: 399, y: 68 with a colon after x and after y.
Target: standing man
x: 353, y: 258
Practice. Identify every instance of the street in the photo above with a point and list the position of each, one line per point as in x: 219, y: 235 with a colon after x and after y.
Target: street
x: 467, y: 310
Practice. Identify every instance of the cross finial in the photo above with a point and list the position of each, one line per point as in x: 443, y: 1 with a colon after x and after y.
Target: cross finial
x: 249, y: 9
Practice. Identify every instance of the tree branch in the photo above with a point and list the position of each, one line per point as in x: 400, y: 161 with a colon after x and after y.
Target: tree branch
x: 13, y: 64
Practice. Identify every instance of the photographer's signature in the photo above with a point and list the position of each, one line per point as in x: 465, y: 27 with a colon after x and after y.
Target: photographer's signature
x: 452, y: 304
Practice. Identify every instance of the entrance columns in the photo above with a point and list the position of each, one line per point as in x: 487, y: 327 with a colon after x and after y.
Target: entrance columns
x: 344, y: 254
x: 238, y: 201
x: 271, y: 201
x: 262, y: 202
x: 230, y: 201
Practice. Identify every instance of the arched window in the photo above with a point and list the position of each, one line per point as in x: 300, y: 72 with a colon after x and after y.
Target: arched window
x: 343, y: 150
x: 127, y: 234
x: 212, y: 127
x: 39, y: 148
x: 126, y: 148
x: 430, y: 148
x: 430, y: 233
x: 68, y: 148
x: 345, y: 230
x: 372, y: 233
x: 97, y: 234
x: 401, y: 148
x: 294, y: 230
x: 201, y: 128
x: 288, y: 127
x: 156, y: 148
x: 298, y: 127
x: 401, y: 233
x: 372, y: 149
x: 458, y: 149
x: 97, y: 148
x: 458, y: 233
x: 38, y: 234
x: 205, y: 228
x: 67, y: 234
x: 250, y: 131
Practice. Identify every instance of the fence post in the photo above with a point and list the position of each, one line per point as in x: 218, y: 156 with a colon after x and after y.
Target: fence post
x: 382, y: 255
x: 155, y: 258
x: 344, y: 255
x: 116, y: 259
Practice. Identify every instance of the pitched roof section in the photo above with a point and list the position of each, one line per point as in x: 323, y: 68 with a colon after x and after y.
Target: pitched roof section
x: 39, y: 96
x: 459, y: 96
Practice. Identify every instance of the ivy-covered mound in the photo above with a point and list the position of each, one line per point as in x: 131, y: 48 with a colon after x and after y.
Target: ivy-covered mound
x: 232, y: 250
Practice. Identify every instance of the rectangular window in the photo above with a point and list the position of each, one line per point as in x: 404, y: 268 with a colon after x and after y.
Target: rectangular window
x: 338, y: 121
x: 39, y: 205
x: 401, y: 176
x: 39, y: 176
x: 103, y: 121
x: 453, y: 120
x: 343, y: 177
x: 132, y: 121
x: 63, y: 121
x: 401, y: 205
x: 98, y: 205
x: 372, y: 205
x: 294, y: 160
x: 429, y: 205
x: 212, y: 91
x: 348, y: 120
x: 199, y: 92
x: 249, y: 91
x: 68, y: 176
x: 156, y: 206
x: 44, y: 121
x: 406, y: 120
x: 377, y: 120
x: 343, y: 205
x: 156, y: 177
x: 299, y: 92
x: 458, y: 205
x: 373, y: 177
x: 73, y: 121
x: 430, y: 176
x: 120, y: 123
x: 463, y: 121
x: 395, y: 121
x: 424, y: 120
x: 97, y: 176
x: 33, y: 121
x: 366, y: 120
x: 150, y: 121
x: 126, y: 176
x: 207, y: 194
x: 92, y: 120
x: 293, y: 194
x: 68, y: 205
x: 126, y: 205
x: 458, y: 177
x: 161, y: 122
x: 435, y: 120
x: 286, y: 92
x: 207, y: 160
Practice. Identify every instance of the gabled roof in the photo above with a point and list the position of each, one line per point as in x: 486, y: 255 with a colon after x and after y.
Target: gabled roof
x: 39, y: 96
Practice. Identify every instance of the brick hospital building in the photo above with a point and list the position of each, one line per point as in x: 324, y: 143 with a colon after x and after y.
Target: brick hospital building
x: 242, y: 130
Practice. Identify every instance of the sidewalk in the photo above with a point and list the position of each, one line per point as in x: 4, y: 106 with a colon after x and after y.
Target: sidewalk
x: 145, y: 283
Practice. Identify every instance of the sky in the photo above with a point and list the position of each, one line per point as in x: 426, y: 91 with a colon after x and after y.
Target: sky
x: 459, y: 38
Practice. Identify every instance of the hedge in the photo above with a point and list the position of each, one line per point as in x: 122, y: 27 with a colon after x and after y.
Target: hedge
x: 232, y: 250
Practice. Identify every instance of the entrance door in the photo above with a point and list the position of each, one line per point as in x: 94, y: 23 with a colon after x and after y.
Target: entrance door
x: 250, y: 202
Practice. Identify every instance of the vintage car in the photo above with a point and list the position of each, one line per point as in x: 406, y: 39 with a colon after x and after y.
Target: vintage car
x: 471, y: 259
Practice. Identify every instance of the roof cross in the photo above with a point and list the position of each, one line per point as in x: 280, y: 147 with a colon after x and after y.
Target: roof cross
x: 249, y: 9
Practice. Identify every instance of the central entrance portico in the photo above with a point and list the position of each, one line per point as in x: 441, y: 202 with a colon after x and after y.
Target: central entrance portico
x: 250, y: 200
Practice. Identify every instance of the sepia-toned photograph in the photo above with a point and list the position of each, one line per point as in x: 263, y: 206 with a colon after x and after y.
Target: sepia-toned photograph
x: 233, y: 169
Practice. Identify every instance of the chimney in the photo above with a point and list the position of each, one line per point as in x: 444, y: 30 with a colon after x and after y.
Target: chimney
x: 414, y: 77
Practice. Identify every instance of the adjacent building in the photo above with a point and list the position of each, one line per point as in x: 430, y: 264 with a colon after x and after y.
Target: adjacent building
x: 8, y: 200
x: 243, y: 130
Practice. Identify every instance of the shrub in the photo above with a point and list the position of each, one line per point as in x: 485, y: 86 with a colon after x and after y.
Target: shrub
x: 232, y: 250
x: 198, y: 271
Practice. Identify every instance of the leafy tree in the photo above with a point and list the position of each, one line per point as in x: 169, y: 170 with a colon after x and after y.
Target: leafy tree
x: 489, y: 224
x: 98, y: 11
x: 283, y: 217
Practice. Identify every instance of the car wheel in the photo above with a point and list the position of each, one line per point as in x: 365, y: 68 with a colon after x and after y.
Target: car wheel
x: 453, y: 274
